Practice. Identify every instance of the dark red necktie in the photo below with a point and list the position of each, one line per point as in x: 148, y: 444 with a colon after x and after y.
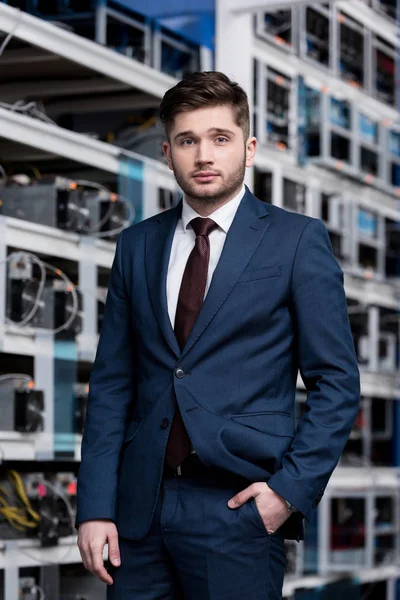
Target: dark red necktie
x: 190, y: 301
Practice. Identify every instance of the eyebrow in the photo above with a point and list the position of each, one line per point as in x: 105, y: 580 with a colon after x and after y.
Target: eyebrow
x: 211, y: 130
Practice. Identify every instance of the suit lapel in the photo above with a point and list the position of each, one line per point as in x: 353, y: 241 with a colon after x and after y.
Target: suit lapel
x: 158, y: 248
x: 246, y: 232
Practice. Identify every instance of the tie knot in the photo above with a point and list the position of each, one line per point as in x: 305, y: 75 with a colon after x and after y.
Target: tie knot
x: 203, y: 226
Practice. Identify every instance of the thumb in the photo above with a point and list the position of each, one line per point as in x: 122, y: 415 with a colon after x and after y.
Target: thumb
x: 113, y: 550
x: 239, y: 499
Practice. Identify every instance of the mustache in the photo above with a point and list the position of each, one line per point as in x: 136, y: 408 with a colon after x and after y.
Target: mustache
x: 203, y: 171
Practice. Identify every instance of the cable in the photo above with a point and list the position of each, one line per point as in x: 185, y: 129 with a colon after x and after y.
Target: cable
x: 16, y: 376
x: 94, y: 295
x: 70, y: 287
x: 16, y: 480
x: 34, y: 109
x: 20, y: 517
x: 40, y: 590
x: 105, y: 219
x: 36, y: 303
x: 128, y: 221
x: 64, y: 498
x: 131, y: 211
x: 13, y: 30
x: 93, y: 184
x: 17, y: 515
x: 114, y: 200
x: 71, y: 516
x: 3, y: 174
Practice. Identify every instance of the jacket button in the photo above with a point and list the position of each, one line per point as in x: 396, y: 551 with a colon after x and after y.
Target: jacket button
x: 179, y: 373
x: 164, y: 423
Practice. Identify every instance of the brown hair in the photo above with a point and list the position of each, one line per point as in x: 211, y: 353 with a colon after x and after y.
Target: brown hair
x: 201, y: 89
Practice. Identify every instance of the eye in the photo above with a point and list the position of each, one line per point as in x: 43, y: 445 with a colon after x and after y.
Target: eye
x: 187, y: 142
x: 221, y: 139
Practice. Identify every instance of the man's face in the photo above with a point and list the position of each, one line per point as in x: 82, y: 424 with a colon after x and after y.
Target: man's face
x: 208, y: 154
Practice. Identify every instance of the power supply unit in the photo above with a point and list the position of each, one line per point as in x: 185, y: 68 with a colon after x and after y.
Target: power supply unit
x: 78, y: 584
x: 105, y: 211
x: 80, y: 406
x: 21, y: 409
x: 55, y: 305
x: 101, y: 303
x: 56, y: 202
x: 48, y: 496
x: 28, y: 589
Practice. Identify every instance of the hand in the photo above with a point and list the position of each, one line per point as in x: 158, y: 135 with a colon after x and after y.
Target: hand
x: 92, y: 537
x: 271, y: 506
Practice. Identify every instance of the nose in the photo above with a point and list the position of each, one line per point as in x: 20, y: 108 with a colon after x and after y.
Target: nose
x: 204, y: 153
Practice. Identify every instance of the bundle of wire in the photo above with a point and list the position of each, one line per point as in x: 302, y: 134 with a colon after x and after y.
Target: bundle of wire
x: 21, y: 515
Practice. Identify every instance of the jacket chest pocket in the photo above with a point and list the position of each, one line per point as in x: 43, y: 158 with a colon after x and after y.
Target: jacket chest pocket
x: 261, y: 273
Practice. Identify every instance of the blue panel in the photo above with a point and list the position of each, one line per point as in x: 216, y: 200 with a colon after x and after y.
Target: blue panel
x: 396, y: 438
x: 339, y: 113
x: 130, y: 184
x: 368, y: 129
x: 160, y: 9
x: 394, y: 143
x: 367, y: 223
x: 192, y: 19
x: 65, y: 377
x: 301, y: 123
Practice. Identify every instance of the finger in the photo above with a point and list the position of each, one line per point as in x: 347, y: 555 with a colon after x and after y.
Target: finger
x: 113, y: 550
x: 86, y: 558
x: 98, y: 569
x: 240, y: 498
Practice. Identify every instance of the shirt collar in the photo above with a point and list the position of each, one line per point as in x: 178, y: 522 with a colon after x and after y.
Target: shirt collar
x: 223, y: 216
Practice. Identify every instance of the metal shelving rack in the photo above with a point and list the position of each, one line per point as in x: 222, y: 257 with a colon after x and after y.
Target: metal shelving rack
x: 108, y: 71
x: 358, y: 201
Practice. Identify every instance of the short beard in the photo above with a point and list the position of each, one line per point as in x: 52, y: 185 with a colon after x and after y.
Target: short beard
x: 225, y: 192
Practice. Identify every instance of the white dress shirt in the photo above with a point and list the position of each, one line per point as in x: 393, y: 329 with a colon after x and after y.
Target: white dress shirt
x: 184, y: 241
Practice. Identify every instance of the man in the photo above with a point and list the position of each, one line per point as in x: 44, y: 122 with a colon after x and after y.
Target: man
x: 192, y: 470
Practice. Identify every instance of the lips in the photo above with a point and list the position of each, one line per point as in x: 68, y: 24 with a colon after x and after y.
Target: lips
x: 205, y: 176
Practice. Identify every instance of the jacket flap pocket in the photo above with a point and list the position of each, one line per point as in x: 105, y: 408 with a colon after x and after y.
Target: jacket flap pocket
x: 279, y: 424
x: 132, y: 428
x: 262, y: 273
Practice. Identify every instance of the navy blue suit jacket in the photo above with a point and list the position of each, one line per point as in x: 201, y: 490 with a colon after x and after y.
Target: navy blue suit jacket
x: 276, y: 305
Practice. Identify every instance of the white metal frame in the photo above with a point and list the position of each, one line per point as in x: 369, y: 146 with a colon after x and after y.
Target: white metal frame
x: 245, y: 6
x: 84, y: 52
x: 118, y: 16
x: 269, y: 37
x: 99, y: 155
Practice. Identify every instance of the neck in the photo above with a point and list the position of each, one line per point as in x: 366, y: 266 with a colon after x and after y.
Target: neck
x: 207, y: 206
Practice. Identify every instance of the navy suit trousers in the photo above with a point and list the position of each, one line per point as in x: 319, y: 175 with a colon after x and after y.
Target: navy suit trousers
x: 197, y: 548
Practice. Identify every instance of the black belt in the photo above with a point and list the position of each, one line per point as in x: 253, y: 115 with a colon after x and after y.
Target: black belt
x: 191, y: 465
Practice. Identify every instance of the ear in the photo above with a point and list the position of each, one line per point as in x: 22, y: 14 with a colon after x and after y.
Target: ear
x: 167, y: 151
x: 251, y: 146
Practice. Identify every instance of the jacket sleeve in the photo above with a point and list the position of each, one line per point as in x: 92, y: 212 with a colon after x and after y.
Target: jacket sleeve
x: 110, y: 394
x: 328, y: 367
